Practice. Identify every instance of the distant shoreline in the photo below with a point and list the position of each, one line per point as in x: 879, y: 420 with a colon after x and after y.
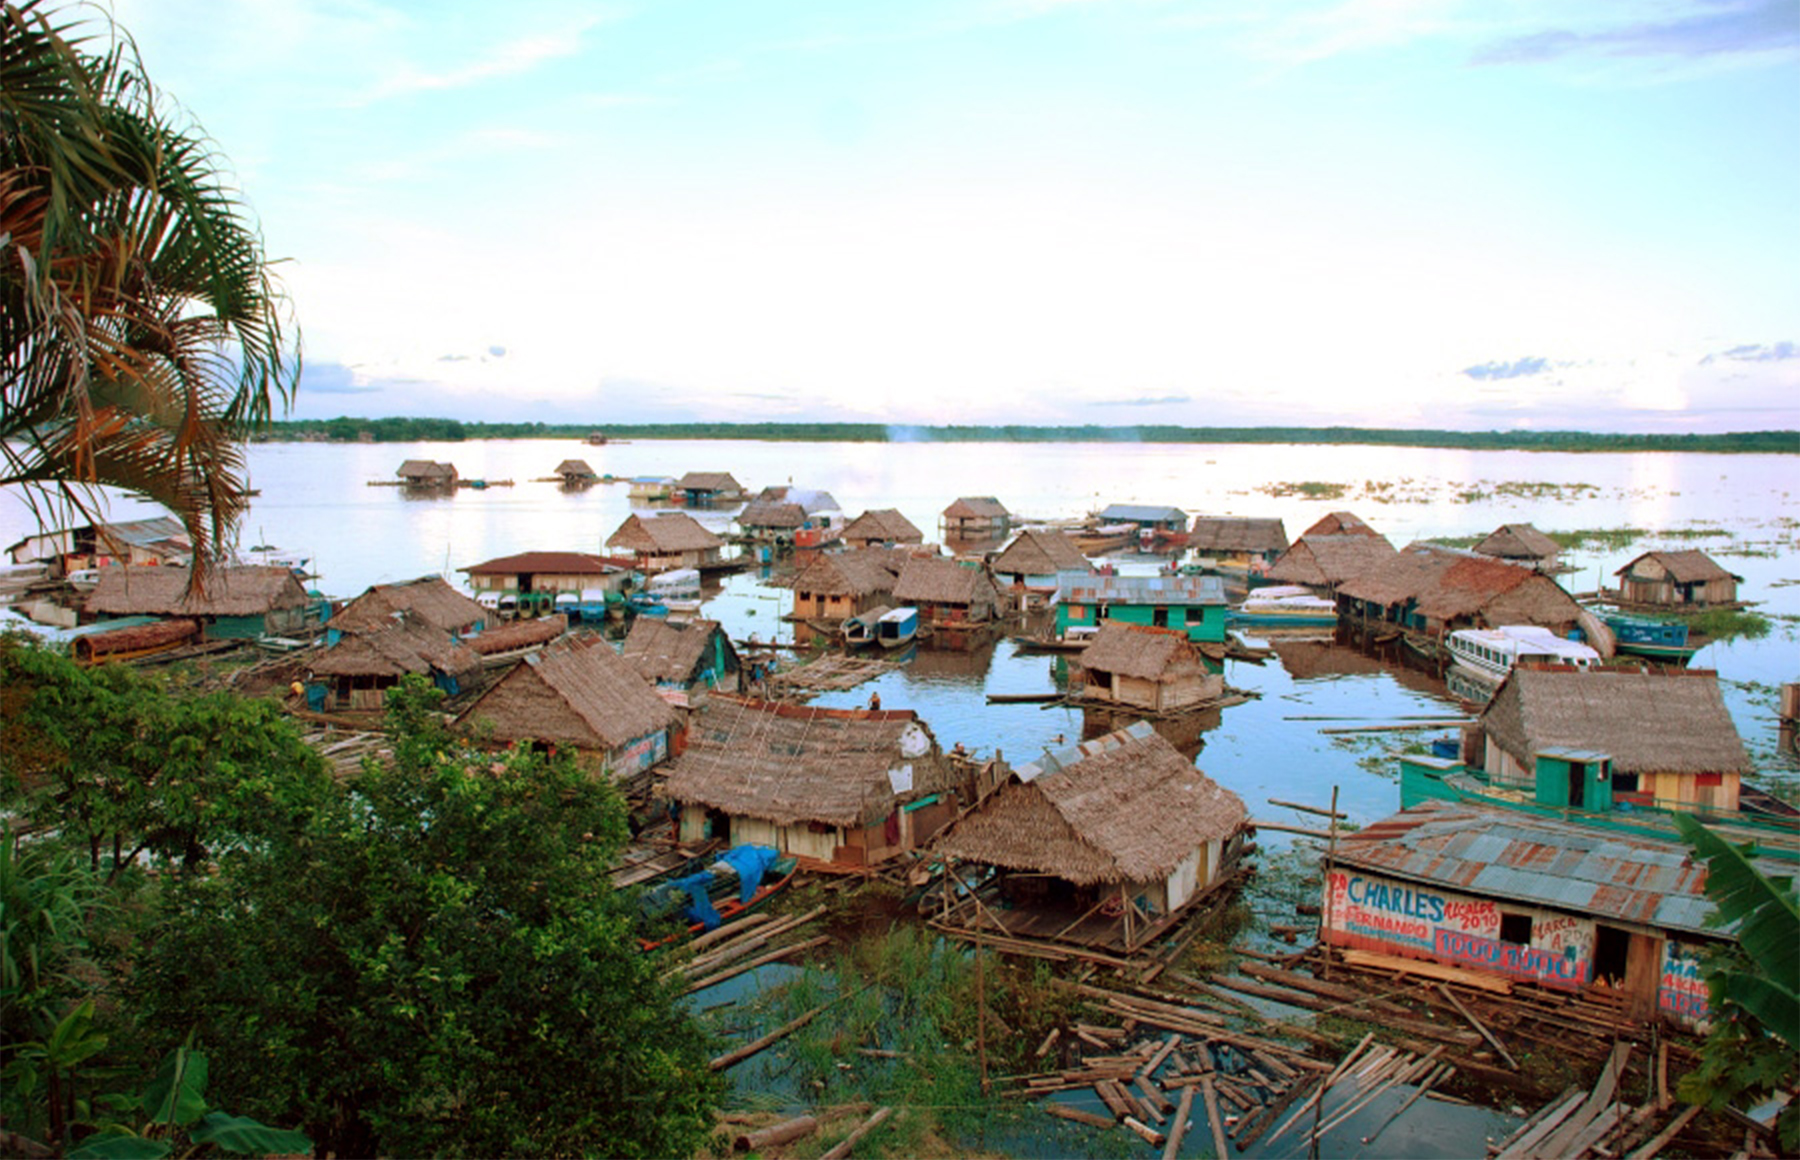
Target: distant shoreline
x: 414, y: 430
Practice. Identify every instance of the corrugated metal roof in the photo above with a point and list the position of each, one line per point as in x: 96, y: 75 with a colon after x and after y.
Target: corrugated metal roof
x: 1141, y: 589
x: 1144, y: 513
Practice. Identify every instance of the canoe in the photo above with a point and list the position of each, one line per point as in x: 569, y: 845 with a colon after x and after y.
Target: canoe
x: 725, y: 899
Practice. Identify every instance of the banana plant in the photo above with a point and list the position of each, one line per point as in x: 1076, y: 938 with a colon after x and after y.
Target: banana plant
x: 178, y: 1121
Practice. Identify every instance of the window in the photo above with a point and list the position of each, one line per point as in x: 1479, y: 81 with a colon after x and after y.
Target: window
x: 1159, y: 617
x: 1625, y: 782
x: 1515, y: 929
x: 1196, y: 615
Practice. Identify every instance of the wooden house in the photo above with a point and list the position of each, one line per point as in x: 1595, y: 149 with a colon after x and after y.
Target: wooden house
x: 790, y: 517
x: 1535, y: 900
x: 683, y: 656
x: 428, y: 597
x: 576, y: 472
x: 1434, y: 591
x: 1105, y: 844
x: 1591, y: 739
x: 1156, y: 670
x: 879, y: 526
x: 1677, y: 580
x: 843, y: 584
x: 851, y: 786
x: 1245, y: 544
x: 357, y: 670
x: 705, y: 488
x: 975, y: 517
x: 666, y: 541
x: 1524, y: 545
x: 427, y: 473
x: 236, y: 603
x: 1165, y: 522
x: 160, y: 540
x: 582, y: 696
x: 1030, y: 567
x: 1339, y: 524
x: 651, y: 487
x: 948, y: 594
x: 551, y: 572
x: 1193, y: 604
x: 1321, y: 563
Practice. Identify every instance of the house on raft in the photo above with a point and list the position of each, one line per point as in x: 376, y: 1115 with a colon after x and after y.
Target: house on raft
x: 1534, y: 900
x: 975, y: 517
x: 1153, y: 670
x: 538, y: 583
x: 357, y: 670
x: 707, y: 488
x: 879, y: 526
x: 649, y: 488
x: 666, y: 541
x: 1244, y: 545
x: 950, y: 595
x: 1434, y: 591
x: 1523, y: 545
x: 1193, y: 604
x: 850, y: 787
x: 839, y: 585
x: 684, y: 656
x: 576, y: 473
x: 1106, y: 844
x: 791, y: 517
x: 1031, y: 568
x: 160, y: 540
x: 1323, y: 562
x: 581, y: 696
x: 1677, y: 581
x: 429, y: 598
x: 425, y: 474
x: 1162, y: 526
x: 235, y: 603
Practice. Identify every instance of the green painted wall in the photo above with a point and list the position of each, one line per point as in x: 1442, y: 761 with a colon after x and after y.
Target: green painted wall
x: 1203, y: 622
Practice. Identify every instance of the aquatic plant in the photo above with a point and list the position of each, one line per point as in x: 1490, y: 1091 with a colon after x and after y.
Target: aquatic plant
x: 1731, y: 623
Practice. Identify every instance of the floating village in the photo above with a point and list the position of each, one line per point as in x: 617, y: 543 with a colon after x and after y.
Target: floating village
x: 1530, y: 894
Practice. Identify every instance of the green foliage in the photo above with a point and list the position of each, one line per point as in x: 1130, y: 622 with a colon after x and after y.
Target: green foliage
x: 1730, y: 623
x: 176, y: 1107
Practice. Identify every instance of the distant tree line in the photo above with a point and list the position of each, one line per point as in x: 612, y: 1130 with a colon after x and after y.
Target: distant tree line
x: 411, y: 430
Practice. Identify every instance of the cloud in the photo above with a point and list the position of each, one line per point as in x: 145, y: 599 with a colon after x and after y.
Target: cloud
x: 1708, y: 28
x: 509, y: 58
x: 1530, y: 365
x: 1756, y: 352
x: 1157, y: 401
x: 332, y: 378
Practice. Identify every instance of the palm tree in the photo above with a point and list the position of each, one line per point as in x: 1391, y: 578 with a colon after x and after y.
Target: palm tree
x: 142, y: 336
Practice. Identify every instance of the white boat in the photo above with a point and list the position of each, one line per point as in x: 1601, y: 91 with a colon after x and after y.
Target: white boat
x: 897, y: 627
x: 271, y: 556
x: 1281, y: 604
x: 677, y: 590
x: 864, y: 628
x: 1488, y: 654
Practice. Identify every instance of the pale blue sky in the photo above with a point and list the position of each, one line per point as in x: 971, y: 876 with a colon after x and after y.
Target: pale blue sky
x: 1513, y: 212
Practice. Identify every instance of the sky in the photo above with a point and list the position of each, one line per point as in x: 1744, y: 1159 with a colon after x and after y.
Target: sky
x: 1409, y: 213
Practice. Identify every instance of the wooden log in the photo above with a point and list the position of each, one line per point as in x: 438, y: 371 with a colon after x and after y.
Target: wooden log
x: 1250, y: 1129
x: 1312, y: 1003
x: 1179, y: 1127
x: 1119, y: 1107
x: 759, y: 961
x: 1067, y: 1112
x: 1338, y: 991
x: 1479, y: 1026
x: 842, y: 1150
x: 1425, y: 970
x: 1661, y: 1140
x: 1151, y: 1136
x: 1213, y: 1117
x: 1402, y: 728
x: 1279, y: 828
x: 785, y: 1132
x: 1154, y: 1094
x: 1438, y: 1074
x: 1162, y: 1053
x: 720, y: 1063
x: 1048, y: 1043
x: 701, y: 941
x: 1306, y: 809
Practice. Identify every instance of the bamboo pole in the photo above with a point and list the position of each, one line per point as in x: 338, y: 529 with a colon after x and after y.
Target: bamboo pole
x: 842, y: 1150
x: 761, y: 960
x: 1330, y: 894
x: 1179, y: 1127
x: 1220, y: 1148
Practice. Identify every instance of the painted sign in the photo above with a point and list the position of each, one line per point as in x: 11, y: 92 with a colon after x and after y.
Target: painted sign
x: 1681, y: 992
x: 1380, y: 913
x: 640, y: 754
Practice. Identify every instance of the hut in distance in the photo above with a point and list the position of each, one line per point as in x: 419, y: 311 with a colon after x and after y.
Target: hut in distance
x: 1687, y: 580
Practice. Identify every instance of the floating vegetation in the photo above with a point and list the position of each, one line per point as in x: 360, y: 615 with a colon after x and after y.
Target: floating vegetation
x: 1310, y: 489
x: 1731, y: 623
x: 1610, y: 538
x: 1703, y: 533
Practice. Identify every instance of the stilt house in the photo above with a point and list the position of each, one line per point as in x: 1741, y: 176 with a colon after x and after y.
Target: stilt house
x: 1193, y: 604
x: 551, y: 572
x: 1157, y: 670
x: 1523, y: 545
x: 1322, y: 563
x: 1238, y: 543
x: 704, y: 488
x: 974, y: 517
x: 1031, y: 568
x: 685, y: 656
x: 845, y: 584
x: 666, y: 541
x: 427, y: 473
x: 1339, y: 524
x: 1435, y: 590
x: 575, y: 472
x: 357, y: 670
x: 948, y: 594
x: 881, y: 526
x: 161, y: 540
x: 1682, y: 580
x: 429, y: 598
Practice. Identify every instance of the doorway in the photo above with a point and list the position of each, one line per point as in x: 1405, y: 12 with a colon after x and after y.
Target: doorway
x: 1612, y: 955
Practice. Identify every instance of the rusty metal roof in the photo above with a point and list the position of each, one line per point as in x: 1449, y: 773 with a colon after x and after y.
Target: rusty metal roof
x: 1538, y: 861
x: 1142, y: 589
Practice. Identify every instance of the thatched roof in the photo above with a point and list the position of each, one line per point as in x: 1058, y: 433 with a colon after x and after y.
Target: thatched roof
x: 1034, y: 553
x: 429, y: 469
x: 1687, y: 566
x: 771, y: 513
x: 1325, y: 561
x: 1444, y: 584
x: 1139, y: 650
x: 1237, y: 534
x: 1125, y: 807
x: 811, y: 499
x: 1339, y: 524
x: 794, y: 763
x: 518, y: 634
x: 664, y: 650
x: 549, y: 564
x: 580, y: 694
x: 977, y: 507
x: 403, y: 644
x: 252, y: 590
x: 939, y: 580
x: 1519, y: 542
x: 708, y: 481
x: 429, y: 597
x: 664, y: 532
x: 859, y: 572
x: 578, y: 467
x: 1650, y: 722
x: 886, y: 524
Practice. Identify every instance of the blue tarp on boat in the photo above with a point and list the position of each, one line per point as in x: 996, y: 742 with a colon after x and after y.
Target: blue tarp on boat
x: 751, y: 863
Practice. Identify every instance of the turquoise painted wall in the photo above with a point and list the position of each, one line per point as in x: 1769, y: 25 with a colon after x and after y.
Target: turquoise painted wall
x: 1203, y: 622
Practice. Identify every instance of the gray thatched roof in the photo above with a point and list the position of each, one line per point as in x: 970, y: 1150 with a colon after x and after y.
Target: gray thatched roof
x: 977, y: 507
x: 404, y: 644
x: 665, y: 532
x: 1444, y: 584
x: 1140, y: 650
x: 1519, y: 542
x: 664, y: 650
x: 886, y: 524
x: 575, y: 467
x: 429, y: 597
x: 1650, y: 722
x: 1035, y: 553
x: 1339, y: 524
x: 789, y: 763
x: 859, y: 572
x: 1324, y: 561
x: 1237, y: 534
x: 427, y: 469
x: 708, y: 481
x: 1126, y: 807
x: 580, y: 694
x: 255, y: 590
x: 1687, y: 566
x: 939, y: 580
x: 771, y: 513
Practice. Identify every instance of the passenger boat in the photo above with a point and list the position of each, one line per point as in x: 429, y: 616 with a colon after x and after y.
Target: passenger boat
x: 1283, y: 604
x: 1663, y: 640
x: 1481, y: 657
x: 677, y: 590
x: 269, y: 555
x: 739, y: 881
x: 865, y: 628
x: 898, y: 627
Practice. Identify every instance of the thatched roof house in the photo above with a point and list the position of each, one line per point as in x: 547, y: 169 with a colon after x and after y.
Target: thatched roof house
x: 771, y: 515
x: 1324, y: 562
x: 159, y: 540
x: 1684, y: 579
x: 1437, y: 590
x: 583, y: 696
x: 1521, y: 544
x: 821, y: 783
x: 682, y: 655
x: 974, y: 515
x: 427, y: 473
x: 235, y: 602
x: 1122, y: 816
x: 548, y: 572
x: 882, y: 526
x: 429, y: 598
x: 841, y: 584
x: 576, y: 471
x: 1668, y: 734
x: 1142, y: 667
x: 1248, y: 542
x: 1339, y: 524
x: 709, y: 487
x: 1034, y: 559
x: 666, y: 540
x: 947, y: 593
x: 1194, y: 604
x: 358, y: 669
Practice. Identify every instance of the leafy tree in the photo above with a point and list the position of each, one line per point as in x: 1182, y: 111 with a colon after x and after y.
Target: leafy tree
x: 437, y: 964
x: 142, y: 336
